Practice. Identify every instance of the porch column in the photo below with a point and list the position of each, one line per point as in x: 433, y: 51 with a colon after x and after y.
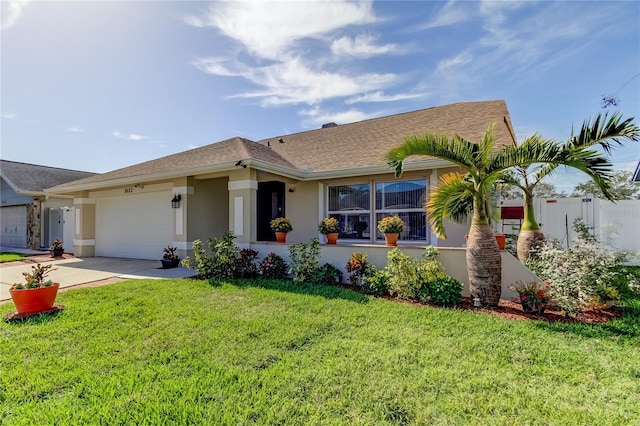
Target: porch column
x: 180, y: 235
x: 243, y: 196
x: 84, y: 234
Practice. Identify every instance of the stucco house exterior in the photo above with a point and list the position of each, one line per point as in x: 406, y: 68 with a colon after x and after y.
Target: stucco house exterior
x: 29, y: 217
x: 240, y: 185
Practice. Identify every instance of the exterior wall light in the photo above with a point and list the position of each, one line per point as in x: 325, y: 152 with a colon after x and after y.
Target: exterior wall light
x: 175, y: 202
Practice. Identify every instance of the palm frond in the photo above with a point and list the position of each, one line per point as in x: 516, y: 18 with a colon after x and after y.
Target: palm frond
x: 451, y: 199
x: 456, y: 150
x: 606, y: 132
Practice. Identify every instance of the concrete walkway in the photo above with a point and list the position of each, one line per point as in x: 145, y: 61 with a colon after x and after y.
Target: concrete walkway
x: 76, y: 271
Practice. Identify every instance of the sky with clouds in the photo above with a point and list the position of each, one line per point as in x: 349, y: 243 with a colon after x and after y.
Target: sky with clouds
x: 105, y: 84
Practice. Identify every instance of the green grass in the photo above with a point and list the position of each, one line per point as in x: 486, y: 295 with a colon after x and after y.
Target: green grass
x: 246, y: 352
x: 11, y: 257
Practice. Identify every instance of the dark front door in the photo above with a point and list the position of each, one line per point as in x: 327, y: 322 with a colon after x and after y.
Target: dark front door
x: 270, y: 206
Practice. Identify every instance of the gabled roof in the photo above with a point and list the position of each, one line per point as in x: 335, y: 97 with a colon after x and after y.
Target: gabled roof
x: 343, y: 150
x: 32, y: 179
x: 363, y: 144
x: 636, y: 174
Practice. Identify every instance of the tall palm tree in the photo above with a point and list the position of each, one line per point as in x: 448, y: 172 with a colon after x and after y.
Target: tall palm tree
x: 605, y: 132
x: 483, y: 164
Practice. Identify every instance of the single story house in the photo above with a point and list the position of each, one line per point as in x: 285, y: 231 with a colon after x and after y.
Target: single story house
x: 241, y: 185
x: 29, y: 217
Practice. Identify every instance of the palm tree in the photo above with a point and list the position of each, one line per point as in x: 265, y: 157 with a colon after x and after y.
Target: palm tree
x: 607, y: 133
x: 484, y: 164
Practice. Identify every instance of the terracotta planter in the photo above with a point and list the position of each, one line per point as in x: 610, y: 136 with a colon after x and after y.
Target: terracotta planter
x: 391, y: 239
x: 281, y: 237
x: 332, y: 238
x: 35, y: 300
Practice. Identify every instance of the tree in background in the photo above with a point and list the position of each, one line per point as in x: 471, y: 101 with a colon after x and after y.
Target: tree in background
x: 621, y: 187
x: 542, y: 190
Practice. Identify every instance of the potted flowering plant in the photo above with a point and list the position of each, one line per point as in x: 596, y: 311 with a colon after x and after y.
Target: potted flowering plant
x: 391, y: 227
x: 57, y: 249
x: 330, y: 227
x: 169, y: 258
x: 281, y: 226
x: 37, y: 294
x: 533, y: 296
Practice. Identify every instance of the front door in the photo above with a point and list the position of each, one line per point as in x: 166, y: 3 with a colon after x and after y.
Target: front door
x: 270, y: 206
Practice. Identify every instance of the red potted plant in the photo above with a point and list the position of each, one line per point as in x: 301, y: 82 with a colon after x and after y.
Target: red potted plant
x: 37, y: 294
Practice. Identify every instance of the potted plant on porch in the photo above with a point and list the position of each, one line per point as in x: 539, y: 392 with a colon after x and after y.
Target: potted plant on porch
x: 330, y: 228
x: 281, y: 226
x: 391, y: 227
x: 170, y: 259
x: 36, y: 294
x: 57, y: 249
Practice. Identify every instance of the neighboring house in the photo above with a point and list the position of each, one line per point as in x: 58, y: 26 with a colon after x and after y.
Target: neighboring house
x: 241, y: 185
x: 29, y: 217
x: 636, y: 174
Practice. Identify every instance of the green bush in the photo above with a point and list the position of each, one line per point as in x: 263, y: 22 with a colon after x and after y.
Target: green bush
x: 374, y: 281
x: 219, y: 262
x: 303, y: 260
x: 445, y: 291
x: 327, y: 274
x: 357, y: 267
x: 273, y: 266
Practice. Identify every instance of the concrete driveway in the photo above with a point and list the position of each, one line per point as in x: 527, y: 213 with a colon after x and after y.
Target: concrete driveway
x: 75, y: 271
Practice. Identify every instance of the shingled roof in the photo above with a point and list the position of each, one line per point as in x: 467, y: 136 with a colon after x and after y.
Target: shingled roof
x: 32, y: 179
x: 342, y: 149
x: 363, y: 144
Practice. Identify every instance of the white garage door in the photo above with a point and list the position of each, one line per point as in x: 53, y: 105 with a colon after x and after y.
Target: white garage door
x: 13, y: 220
x: 136, y: 226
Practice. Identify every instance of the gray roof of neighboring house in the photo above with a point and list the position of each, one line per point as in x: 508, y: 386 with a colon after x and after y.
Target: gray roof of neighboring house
x: 33, y: 179
x: 345, y: 147
x: 636, y: 174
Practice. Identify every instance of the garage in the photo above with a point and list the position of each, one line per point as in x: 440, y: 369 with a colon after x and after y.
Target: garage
x: 13, y: 220
x: 135, y: 226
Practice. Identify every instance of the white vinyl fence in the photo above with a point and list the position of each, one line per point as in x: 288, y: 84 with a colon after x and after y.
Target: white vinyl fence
x: 614, y: 224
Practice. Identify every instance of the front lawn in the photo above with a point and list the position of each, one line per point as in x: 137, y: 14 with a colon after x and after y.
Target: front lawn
x: 275, y: 352
x: 10, y: 257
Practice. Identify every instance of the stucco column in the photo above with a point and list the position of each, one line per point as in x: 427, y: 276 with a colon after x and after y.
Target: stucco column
x: 84, y: 234
x: 243, y: 196
x: 180, y: 235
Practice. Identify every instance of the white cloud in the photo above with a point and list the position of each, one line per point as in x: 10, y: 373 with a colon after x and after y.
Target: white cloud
x: 361, y: 46
x: 317, y: 117
x: 8, y: 116
x: 380, y: 96
x: 450, y: 14
x: 446, y: 65
x: 129, y: 137
x: 293, y: 82
x: 271, y: 29
x: 75, y: 129
x: 11, y: 12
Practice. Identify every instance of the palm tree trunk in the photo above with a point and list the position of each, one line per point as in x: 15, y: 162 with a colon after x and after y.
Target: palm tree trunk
x: 484, y: 261
x: 530, y: 236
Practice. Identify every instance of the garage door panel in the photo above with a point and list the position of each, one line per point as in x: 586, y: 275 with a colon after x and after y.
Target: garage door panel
x: 13, y: 222
x: 137, y: 226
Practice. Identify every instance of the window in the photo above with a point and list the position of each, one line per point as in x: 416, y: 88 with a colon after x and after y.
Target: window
x: 351, y: 205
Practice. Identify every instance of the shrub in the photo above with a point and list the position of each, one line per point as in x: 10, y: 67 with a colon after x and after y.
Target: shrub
x: 246, y: 267
x: 357, y: 267
x: 583, y: 275
x: 374, y: 281
x: 404, y: 281
x: 221, y: 262
x: 534, y: 296
x: 444, y: 291
x: 327, y: 274
x: 304, y: 260
x: 273, y: 266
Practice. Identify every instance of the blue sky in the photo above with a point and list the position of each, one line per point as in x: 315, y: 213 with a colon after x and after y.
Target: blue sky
x: 105, y: 84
